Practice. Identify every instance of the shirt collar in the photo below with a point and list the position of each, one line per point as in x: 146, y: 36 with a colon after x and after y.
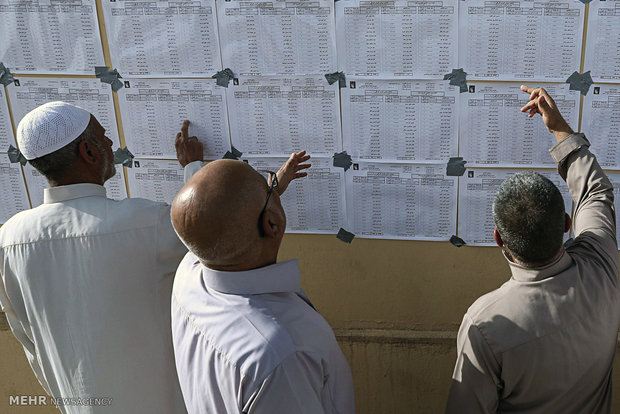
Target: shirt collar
x: 69, y: 192
x: 531, y: 274
x: 275, y: 278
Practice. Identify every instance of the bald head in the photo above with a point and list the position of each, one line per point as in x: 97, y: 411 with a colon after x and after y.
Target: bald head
x: 216, y: 214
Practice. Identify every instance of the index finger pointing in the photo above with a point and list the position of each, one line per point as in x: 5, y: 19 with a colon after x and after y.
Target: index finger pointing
x: 527, y: 89
x: 534, y: 92
x: 185, y: 128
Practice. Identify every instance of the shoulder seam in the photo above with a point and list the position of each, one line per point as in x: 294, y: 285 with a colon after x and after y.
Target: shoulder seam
x: 486, y: 342
x: 76, y: 237
x: 473, y: 316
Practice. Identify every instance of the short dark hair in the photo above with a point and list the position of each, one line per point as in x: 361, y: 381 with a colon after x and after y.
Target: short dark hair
x: 54, y: 166
x: 529, y: 214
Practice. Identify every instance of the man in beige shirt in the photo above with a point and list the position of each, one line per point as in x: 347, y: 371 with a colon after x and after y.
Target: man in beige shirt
x: 544, y: 342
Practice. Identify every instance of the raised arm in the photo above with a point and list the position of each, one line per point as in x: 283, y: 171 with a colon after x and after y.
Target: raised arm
x: 189, y: 152
x: 290, y: 170
x: 594, y: 221
x: 543, y: 104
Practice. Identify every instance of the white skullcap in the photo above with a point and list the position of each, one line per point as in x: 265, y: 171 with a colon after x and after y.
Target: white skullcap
x: 49, y: 128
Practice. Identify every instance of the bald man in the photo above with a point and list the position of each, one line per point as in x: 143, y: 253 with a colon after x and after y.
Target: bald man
x: 246, y: 338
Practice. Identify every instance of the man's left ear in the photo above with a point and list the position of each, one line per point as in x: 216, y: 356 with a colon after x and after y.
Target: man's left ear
x: 272, y: 224
x: 567, y: 222
x: 88, y: 152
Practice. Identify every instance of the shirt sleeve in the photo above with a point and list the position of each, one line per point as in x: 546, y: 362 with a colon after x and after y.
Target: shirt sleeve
x: 192, y: 168
x: 295, y: 386
x: 594, y: 220
x: 476, y: 382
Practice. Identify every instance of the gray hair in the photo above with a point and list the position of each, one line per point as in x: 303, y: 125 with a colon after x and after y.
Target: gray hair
x: 54, y: 166
x: 529, y: 214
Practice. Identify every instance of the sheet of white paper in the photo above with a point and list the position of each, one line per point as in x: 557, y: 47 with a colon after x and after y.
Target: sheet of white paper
x: 13, y: 196
x: 278, y: 116
x: 115, y: 186
x: 516, y: 40
x: 6, y: 129
x: 162, y: 38
x: 313, y: 204
x: 477, y: 190
x: 414, y: 39
x: 401, y: 201
x: 601, y: 123
x: 153, y: 111
x: 494, y: 131
x: 602, y: 49
x: 46, y: 36
x: 157, y: 180
x: 90, y: 94
x: 400, y: 120
x: 614, y: 177
x: 277, y: 37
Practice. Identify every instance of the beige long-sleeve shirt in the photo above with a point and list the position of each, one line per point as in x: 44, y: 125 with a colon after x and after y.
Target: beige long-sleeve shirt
x: 544, y: 342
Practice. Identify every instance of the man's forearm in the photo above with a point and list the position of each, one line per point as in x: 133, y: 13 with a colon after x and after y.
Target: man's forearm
x: 590, y: 188
x: 561, y: 135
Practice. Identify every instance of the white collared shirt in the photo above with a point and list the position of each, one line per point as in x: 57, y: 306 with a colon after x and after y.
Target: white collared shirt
x: 251, y: 342
x: 86, y: 284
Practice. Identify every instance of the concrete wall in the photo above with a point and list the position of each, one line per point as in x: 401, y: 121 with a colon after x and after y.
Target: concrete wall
x: 16, y: 377
x: 395, y: 307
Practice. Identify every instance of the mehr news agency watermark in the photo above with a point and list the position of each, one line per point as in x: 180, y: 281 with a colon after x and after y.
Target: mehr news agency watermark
x: 45, y: 400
